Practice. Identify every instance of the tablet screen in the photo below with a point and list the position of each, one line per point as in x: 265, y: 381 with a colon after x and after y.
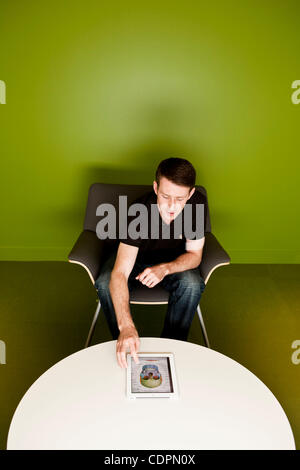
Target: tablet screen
x: 151, y: 375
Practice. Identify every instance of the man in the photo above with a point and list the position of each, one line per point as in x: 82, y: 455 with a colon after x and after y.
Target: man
x: 172, y: 261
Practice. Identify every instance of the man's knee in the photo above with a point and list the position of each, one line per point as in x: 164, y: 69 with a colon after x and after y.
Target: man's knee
x: 102, y: 283
x: 190, y: 282
x: 103, y: 280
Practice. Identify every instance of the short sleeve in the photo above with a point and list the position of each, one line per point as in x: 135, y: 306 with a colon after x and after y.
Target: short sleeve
x: 194, y: 245
x: 195, y: 217
x: 128, y: 240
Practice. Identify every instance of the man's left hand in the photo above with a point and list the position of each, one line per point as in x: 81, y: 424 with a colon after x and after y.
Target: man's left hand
x: 152, y: 275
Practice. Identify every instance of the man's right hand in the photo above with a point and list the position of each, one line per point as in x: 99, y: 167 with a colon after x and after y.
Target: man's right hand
x: 128, y: 339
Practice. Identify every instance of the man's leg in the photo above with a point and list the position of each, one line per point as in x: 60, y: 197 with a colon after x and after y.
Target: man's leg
x: 102, y: 287
x: 185, y: 290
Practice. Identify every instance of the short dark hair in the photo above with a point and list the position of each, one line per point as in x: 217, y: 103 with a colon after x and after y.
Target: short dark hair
x: 178, y: 170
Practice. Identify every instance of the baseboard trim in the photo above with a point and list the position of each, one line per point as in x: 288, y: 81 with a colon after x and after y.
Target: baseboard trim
x: 54, y: 253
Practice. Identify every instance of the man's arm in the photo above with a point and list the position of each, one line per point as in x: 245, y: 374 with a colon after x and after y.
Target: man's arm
x: 189, y: 260
x: 118, y: 287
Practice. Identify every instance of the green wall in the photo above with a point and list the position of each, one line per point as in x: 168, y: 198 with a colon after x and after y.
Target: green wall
x: 102, y: 91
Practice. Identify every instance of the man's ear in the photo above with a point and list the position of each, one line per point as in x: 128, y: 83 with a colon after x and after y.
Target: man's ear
x: 155, y: 187
x: 191, y: 192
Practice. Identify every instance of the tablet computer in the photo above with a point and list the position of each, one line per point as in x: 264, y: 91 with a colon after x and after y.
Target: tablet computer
x: 154, y: 376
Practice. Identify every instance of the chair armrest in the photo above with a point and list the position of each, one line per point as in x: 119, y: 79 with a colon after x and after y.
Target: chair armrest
x: 88, y: 251
x: 213, y: 256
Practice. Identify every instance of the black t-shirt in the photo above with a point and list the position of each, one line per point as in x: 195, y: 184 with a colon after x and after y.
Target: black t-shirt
x: 165, y: 242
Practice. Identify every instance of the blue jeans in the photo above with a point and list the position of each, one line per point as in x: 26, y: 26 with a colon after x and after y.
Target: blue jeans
x: 185, y: 289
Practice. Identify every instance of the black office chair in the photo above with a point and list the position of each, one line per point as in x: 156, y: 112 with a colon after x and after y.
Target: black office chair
x: 91, y: 252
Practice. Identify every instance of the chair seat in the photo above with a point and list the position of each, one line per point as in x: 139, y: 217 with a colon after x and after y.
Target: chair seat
x: 141, y: 294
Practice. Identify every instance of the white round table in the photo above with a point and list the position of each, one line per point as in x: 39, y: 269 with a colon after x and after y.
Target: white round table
x: 81, y: 403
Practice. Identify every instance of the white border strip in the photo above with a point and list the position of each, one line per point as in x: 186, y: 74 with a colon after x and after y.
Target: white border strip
x: 210, y: 272
x: 84, y: 266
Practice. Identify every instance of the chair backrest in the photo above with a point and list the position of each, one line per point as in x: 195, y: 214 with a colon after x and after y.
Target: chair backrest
x: 109, y: 193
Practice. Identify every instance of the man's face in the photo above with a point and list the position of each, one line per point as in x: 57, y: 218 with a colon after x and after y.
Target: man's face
x: 171, y: 198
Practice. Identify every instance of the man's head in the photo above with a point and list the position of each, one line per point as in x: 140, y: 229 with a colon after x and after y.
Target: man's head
x: 174, y: 184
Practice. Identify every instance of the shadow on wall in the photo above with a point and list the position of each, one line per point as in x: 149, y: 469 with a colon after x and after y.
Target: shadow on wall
x: 140, y: 169
x: 136, y: 166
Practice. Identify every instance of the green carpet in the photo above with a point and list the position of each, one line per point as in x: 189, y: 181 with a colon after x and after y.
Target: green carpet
x: 251, y: 314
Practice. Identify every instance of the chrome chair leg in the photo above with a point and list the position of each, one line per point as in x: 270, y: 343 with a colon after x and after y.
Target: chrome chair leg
x: 92, y: 328
x: 203, y: 327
